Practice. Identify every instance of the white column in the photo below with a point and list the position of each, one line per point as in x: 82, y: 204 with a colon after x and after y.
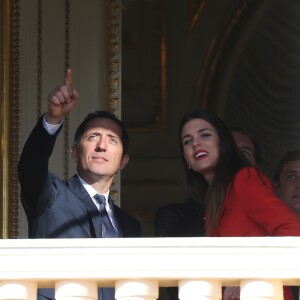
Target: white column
x: 261, y: 289
x: 18, y: 290
x: 200, y: 290
x: 76, y: 290
x: 137, y: 290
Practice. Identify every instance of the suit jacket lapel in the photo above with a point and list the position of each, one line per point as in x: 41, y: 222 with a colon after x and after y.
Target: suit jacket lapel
x: 80, y: 192
x: 116, y: 216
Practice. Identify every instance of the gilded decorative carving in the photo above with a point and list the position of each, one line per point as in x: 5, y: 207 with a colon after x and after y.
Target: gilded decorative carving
x: 39, y: 57
x: 67, y: 65
x: 113, y: 56
x: 5, y: 12
x: 113, y: 70
x: 14, y: 210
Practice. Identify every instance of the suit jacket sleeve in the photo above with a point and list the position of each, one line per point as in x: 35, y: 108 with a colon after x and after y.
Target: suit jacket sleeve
x: 33, y: 165
x: 258, y: 200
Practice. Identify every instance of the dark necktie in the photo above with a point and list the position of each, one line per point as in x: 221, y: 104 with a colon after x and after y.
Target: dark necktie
x: 108, y: 230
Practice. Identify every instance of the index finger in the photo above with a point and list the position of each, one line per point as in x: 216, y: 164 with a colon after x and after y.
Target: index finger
x: 69, y: 76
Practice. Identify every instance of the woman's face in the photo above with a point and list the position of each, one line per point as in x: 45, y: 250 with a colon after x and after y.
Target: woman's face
x: 200, y: 143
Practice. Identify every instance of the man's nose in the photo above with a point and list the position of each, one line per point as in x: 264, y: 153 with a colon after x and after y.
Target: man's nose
x: 101, y: 144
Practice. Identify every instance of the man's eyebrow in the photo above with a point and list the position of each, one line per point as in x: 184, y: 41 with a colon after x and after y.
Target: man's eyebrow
x: 114, y: 135
x: 111, y: 134
x: 290, y: 171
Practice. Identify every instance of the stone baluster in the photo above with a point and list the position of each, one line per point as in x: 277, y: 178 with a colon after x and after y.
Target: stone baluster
x: 137, y: 290
x: 200, y: 290
x: 18, y: 290
x: 76, y: 290
x: 261, y: 289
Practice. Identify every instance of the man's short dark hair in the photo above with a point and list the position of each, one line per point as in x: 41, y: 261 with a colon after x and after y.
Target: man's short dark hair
x: 102, y: 114
x: 258, y: 155
x: 286, y: 158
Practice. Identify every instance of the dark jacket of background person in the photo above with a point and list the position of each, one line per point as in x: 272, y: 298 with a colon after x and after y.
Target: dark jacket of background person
x: 180, y: 220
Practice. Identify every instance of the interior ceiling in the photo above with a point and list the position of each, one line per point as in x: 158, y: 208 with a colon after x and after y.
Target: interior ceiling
x: 256, y: 85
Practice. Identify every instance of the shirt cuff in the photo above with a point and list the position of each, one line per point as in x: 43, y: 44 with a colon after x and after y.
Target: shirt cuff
x: 50, y: 128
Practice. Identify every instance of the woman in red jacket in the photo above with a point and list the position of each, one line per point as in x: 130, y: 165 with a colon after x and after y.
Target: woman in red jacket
x: 240, y: 199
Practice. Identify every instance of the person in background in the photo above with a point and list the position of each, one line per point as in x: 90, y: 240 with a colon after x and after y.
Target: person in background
x: 248, y: 145
x: 287, y: 179
x: 79, y: 207
x: 240, y: 199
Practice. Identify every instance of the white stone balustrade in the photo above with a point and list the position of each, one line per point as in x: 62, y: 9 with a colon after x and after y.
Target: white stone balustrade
x: 200, y: 267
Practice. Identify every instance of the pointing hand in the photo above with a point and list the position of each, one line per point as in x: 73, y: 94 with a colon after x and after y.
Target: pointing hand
x: 61, y: 100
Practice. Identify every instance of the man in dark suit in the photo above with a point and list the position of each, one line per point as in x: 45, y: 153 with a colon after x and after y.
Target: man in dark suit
x: 71, y: 209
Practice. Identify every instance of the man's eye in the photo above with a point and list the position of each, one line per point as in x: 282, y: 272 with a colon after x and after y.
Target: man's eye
x: 92, y: 138
x: 113, y: 141
x: 291, y: 177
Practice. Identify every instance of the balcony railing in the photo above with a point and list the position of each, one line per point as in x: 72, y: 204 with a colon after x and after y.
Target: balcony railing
x: 138, y: 267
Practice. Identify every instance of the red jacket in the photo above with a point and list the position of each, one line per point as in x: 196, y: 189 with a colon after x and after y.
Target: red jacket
x: 251, y: 208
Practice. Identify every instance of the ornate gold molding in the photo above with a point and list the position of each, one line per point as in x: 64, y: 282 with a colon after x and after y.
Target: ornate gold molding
x: 5, y: 9
x: 113, y: 70
x: 13, y: 198
x: 39, y: 57
x: 113, y: 56
x: 9, y: 110
x: 67, y: 65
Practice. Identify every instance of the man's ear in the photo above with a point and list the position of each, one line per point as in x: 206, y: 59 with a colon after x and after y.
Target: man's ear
x: 74, y: 152
x: 124, y: 162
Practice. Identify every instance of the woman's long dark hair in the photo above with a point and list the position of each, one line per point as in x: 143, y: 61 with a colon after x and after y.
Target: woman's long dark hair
x: 229, y: 162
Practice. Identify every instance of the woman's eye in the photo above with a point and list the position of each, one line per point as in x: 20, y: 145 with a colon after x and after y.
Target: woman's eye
x: 186, y: 142
x: 205, y: 135
x: 113, y: 141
